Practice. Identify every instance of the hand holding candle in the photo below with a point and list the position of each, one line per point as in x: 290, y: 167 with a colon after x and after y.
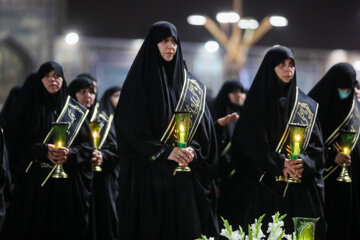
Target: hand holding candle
x: 95, y: 131
x: 183, y: 156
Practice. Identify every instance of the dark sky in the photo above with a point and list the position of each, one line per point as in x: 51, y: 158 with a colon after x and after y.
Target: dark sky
x: 326, y: 24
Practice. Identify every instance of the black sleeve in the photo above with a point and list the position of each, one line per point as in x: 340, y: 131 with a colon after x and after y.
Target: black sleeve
x: 313, y: 157
x: 109, y: 153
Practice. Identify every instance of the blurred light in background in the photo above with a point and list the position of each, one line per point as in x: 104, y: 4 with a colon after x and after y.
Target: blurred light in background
x: 211, y: 46
x: 357, y: 65
x: 278, y: 21
x: 227, y: 17
x: 196, y: 20
x: 71, y: 38
x: 248, y: 24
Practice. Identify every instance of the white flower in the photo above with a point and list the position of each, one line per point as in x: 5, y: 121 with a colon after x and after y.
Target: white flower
x: 290, y: 236
x: 225, y: 233
x: 212, y: 238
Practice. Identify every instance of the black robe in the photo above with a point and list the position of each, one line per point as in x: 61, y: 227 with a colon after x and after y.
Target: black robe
x: 263, y: 120
x: 11, y: 117
x: 59, y: 209
x: 5, y: 179
x: 105, y: 101
x: 227, y: 179
x: 341, y: 199
x: 105, y: 189
x: 154, y: 204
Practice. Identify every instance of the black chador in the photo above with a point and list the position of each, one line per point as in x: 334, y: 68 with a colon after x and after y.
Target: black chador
x: 338, y: 113
x: 105, y: 103
x: 44, y: 207
x: 5, y: 178
x: 155, y: 204
x: 259, y: 148
x: 226, y: 179
x: 104, y: 218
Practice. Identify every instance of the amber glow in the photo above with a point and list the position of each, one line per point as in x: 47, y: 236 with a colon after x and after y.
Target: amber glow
x: 346, y: 150
x: 59, y: 144
x: 95, y: 134
x: 297, y: 138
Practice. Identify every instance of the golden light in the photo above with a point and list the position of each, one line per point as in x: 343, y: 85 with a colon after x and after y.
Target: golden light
x: 346, y: 150
x: 95, y: 134
x: 297, y: 138
x: 59, y: 144
x: 182, y: 129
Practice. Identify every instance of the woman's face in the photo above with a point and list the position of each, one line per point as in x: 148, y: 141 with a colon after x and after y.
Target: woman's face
x: 52, y: 82
x: 167, y: 48
x: 115, y: 98
x: 237, y: 97
x: 285, y: 70
x: 86, y: 97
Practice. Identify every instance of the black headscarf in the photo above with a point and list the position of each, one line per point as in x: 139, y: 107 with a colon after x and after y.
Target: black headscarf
x: 77, y: 84
x: 151, y: 88
x: 10, y: 104
x: 267, y: 108
x: 105, y: 102
x: 38, y: 107
x: 222, y: 104
x: 332, y: 109
x: 87, y: 75
x: 80, y: 83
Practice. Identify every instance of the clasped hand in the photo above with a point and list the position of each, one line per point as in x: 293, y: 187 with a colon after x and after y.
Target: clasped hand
x: 342, y: 159
x: 57, y: 155
x: 182, y: 155
x: 293, y: 168
x: 97, y: 158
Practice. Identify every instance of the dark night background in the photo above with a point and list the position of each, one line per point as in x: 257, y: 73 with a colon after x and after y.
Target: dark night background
x: 332, y: 24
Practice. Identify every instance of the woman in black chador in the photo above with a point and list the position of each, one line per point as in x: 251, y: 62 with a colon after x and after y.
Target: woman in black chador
x: 44, y: 207
x: 339, y: 111
x: 104, y: 219
x: 260, y: 141
x: 154, y: 203
x: 225, y: 111
x: 110, y: 99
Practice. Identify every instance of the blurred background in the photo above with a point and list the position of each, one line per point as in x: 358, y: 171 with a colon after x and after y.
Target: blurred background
x: 221, y: 39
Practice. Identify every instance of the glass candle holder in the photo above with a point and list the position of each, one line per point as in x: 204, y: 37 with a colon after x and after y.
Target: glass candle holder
x: 59, y: 136
x: 95, y: 131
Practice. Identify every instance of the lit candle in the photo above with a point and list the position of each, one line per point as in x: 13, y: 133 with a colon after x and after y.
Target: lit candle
x: 297, y: 145
x: 182, y: 134
x: 346, y: 151
x: 96, y: 139
x: 59, y: 144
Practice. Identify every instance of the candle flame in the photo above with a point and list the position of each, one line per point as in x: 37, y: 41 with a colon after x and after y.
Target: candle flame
x: 182, y: 129
x: 346, y: 150
x: 59, y: 144
x: 297, y: 138
x: 95, y: 134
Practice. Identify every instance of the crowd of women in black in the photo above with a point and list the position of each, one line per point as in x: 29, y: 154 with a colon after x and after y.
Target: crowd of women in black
x: 237, y: 151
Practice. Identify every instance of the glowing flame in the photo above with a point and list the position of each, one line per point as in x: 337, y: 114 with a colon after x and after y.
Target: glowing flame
x: 346, y: 150
x: 59, y: 144
x: 182, y: 129
x: 95, y: 134
x: 297, y: 138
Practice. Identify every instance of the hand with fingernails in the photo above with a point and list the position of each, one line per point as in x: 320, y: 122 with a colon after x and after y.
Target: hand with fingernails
x: 183, y: 156
x: 57, y: 155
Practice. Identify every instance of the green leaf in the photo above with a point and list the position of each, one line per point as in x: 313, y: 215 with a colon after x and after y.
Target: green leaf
x: 258, y: 224
x: 250, y: 233
x: 282, y: 217
x: 227, y: 225
x: 281, y: 235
